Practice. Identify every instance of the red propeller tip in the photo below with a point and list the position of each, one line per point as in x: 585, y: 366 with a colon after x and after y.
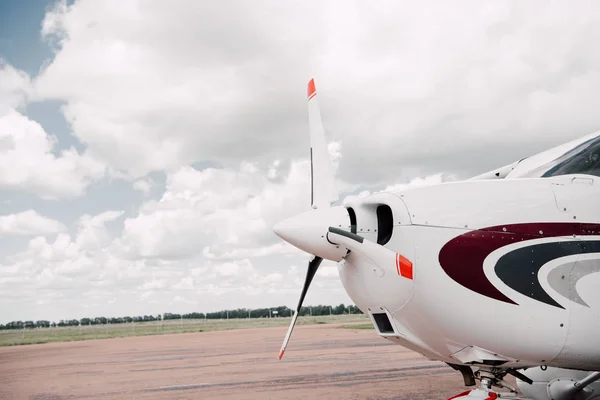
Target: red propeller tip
x: 281, y: 353
x: 312, y: 91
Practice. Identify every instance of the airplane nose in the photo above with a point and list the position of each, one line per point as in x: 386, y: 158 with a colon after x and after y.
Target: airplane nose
x: 308, y: 231
x: 284, y: 229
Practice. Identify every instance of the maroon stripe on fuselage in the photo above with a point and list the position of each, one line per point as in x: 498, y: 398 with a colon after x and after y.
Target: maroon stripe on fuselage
x: 462, y: 257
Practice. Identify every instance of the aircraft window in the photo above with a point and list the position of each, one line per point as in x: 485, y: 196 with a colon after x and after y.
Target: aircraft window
x: 385, y: 224
x: 583, y: 159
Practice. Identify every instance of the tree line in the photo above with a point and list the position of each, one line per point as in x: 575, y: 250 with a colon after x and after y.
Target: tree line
x: 273, y: 312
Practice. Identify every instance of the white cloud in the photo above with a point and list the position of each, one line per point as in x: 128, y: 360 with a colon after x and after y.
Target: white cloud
x: 143, y: 185
x: 154, y: 284
x: 53, y: 25
x: 209, y: 235
x: 186, y: 283
x: 28, y: 159
x: 418, y: 182
x: 281, y: 248
x: 92, y: 233
x: 15, y: 87
x: 63, y: 269
x: 220, y: 212
x: 413, y: 183
x: 406, y: 89
x: 411, y: 89
x: 180, y: 93
x: 28, y: 163
x: 181, y: 300
x: 29, y: 223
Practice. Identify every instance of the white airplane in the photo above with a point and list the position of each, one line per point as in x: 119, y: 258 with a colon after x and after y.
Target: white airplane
x: 493, y: 275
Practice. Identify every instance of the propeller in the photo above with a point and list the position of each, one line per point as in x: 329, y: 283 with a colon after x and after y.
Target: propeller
x: 325, y: 231
x: 302, y: 230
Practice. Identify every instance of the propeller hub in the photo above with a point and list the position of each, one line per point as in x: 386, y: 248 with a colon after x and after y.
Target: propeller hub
x: 308, y: 231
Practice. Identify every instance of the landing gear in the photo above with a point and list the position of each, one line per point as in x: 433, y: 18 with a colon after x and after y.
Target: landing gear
x: 494, y: 377
x: 536, y: 384
x: 488, y: 379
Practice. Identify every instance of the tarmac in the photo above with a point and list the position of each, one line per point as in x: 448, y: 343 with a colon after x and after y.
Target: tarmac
x: 321, y: 362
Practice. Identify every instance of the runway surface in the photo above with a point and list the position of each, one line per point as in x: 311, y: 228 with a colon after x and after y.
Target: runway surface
x: 322, y: 361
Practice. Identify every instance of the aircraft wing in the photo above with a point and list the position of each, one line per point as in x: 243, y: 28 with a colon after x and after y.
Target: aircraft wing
x: 579, y: 156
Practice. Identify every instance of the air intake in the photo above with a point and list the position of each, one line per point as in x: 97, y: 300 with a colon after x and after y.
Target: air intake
x: 385, y: 224
x: 383, y: 323
x: 352, y: 216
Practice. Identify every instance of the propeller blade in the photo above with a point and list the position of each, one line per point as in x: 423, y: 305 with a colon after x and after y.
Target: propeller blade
x: 322, y: 192
x: 313, y: 266
x: 288, y: 334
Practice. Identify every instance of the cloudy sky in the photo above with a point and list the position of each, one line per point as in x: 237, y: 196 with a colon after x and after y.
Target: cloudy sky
x: 148, y: 147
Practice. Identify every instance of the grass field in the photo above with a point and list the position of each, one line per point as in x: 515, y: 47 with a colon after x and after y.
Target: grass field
x: 72, y: 333
x: 359, y: 326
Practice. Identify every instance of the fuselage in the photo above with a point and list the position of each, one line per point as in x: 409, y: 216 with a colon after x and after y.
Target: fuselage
x: 503, y: 271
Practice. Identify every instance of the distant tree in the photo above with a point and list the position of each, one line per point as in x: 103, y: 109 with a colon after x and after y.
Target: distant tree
x: 194, y: 315
x: 339, y: 309
x: 42, y: 324
x: 2, y: 327
x: 352, y: 309
x: 282, y: 311
x: 14, y: 325
x: 320, y: 310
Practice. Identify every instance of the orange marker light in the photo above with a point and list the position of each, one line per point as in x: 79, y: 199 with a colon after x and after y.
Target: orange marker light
x: 404, y: 266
